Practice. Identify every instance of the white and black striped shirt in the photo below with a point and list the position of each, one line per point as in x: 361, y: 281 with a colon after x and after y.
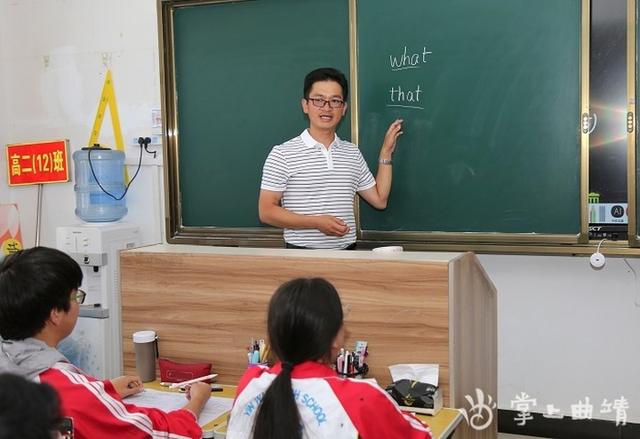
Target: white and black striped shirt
x: 315, y: 180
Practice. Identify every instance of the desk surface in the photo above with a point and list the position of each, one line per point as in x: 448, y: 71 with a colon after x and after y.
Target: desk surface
x: 442, y: 425
x: 436, y: 257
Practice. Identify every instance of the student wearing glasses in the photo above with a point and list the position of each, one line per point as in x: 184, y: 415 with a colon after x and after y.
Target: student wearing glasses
x: 301, y: 396
x: 309, y: 182
x: 39, y: 307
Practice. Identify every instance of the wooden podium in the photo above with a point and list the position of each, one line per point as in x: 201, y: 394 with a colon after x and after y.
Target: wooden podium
x: 206, y: 303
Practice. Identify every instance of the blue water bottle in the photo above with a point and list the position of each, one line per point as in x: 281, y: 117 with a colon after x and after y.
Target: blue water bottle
x: 99, y: 188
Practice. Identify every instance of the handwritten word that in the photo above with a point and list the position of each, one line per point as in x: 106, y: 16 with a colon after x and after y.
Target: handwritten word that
x: 409, y: 60
x: 405, y: 98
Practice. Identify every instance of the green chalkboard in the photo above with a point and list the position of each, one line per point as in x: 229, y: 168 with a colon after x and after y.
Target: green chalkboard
x: 492, y: 143
x: 239, y: 71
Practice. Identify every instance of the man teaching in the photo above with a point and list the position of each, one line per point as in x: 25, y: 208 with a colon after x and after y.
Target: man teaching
x: 309, y: 182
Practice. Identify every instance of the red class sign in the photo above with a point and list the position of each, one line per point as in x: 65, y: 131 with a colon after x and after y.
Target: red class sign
x: 37, y: 163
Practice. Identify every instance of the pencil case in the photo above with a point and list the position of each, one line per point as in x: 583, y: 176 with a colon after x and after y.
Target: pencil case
x: 174, y: 372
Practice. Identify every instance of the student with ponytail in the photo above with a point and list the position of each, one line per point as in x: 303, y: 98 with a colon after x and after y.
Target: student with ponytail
x: 301, y: 396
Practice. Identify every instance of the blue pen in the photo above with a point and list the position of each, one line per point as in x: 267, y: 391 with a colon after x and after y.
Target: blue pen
x: 255, y: 357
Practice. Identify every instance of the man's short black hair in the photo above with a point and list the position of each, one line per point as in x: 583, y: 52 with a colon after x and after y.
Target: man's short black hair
x: 326, y: 74
x: 34, y: 282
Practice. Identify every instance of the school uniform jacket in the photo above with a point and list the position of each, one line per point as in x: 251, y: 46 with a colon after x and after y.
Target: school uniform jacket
x: 329, y: 406
x: 94, y: 406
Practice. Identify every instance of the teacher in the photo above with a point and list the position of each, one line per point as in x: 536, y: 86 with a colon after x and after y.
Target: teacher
x: 309, y: 182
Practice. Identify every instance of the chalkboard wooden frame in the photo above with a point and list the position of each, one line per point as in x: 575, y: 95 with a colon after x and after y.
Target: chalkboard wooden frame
x: 177, y: 232
x: 632, y: 132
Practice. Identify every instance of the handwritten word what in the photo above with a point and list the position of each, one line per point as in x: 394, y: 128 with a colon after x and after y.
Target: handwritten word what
x: 409, y: 60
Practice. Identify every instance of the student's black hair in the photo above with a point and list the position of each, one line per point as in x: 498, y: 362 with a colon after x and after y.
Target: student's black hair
x: 325, y: 74
x: 34, y: 282
x: 27, y: 410
x: 305, y: 315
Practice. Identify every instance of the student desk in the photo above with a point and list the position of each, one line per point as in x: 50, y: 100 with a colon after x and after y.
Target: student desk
x: 206, y: 303
x: 442, y: 425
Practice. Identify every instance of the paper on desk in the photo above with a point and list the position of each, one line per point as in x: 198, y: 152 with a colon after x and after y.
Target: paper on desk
x: 168, y: 401
x: 425, y: 373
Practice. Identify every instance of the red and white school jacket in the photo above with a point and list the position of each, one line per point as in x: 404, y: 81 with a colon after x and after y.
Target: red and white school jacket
x: 98, y: 411
x: 329, y: 406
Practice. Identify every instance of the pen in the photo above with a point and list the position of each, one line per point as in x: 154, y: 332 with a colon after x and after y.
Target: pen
x: 195, y: 380
x: 183, y: 389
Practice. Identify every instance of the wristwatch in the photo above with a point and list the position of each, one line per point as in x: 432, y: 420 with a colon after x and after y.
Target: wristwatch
x: 385, y: 161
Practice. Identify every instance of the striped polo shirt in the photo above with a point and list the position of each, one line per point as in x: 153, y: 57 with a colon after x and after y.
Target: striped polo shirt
x: 315, y: 180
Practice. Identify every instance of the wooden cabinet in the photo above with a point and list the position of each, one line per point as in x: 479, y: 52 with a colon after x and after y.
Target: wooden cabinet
x: 206, y: 303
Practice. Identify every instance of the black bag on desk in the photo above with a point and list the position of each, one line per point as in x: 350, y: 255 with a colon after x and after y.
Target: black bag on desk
x: 414, y: 394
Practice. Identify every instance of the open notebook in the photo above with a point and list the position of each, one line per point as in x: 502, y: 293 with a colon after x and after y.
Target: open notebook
x: 169, y: 401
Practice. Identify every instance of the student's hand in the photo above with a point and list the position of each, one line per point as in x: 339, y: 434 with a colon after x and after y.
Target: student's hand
x: 198, y: 394
x: 127, y: 385
x: 331, y: 226
x: 389, y: 145
x: 199, y: 391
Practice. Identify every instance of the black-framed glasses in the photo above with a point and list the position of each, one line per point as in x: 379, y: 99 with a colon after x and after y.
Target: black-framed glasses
x: 320, y: 102
x: 79, y: 296
x: 63, y: 428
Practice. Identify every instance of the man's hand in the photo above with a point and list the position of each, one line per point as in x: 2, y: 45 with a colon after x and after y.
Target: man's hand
x: 127, y: 385
x: 389, y: 144
x: 331, y: 226
x: 378, y: 196
x: 272, y: 213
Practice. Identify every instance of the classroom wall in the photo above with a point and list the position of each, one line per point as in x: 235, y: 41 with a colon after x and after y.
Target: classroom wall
x: 4, y: 193
x: 565, y: 331
x: 55, y: 54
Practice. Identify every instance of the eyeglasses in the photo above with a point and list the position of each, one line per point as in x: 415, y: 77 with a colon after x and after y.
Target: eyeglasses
x: 63, y: 428
x: 79, y: 296
x: 320, y: 103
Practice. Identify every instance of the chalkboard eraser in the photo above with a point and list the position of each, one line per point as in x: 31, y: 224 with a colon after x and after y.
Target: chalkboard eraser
x: 388, y: 249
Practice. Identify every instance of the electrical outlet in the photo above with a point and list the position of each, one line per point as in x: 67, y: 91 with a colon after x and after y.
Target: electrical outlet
x: 156, y: 140
x: 152, y: 153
